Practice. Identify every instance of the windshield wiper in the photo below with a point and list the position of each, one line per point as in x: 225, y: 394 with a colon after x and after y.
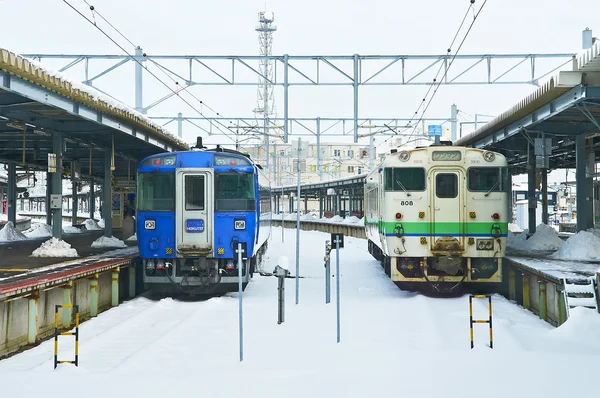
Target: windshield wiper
x: 493, y: 186
x: 402, y: 186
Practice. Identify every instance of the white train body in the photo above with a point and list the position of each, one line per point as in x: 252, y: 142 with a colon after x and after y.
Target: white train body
x: 439, y: 214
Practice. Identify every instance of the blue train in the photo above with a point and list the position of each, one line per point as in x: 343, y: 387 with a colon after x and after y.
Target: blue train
x: 193, y: 208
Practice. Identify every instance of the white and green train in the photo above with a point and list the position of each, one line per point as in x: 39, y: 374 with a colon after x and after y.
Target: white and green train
x: 437, y: 217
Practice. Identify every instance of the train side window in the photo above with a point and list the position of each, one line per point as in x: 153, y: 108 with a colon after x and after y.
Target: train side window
x: 194, y: 192
x: 446, y: 185
x: 404, y: 178
x: 483, y: 179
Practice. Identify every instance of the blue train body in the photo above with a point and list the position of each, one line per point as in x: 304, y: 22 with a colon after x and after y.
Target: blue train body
x: 193, y: 208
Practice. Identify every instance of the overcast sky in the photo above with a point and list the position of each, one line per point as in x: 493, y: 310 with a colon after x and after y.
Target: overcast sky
x: 308, y: 27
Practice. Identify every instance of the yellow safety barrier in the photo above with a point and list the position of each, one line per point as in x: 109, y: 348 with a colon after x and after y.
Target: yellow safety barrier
x: 76, y: 334
x: 489, y: 297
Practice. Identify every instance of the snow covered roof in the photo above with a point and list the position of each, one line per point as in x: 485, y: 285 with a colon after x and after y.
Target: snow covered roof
x: 59, y: 83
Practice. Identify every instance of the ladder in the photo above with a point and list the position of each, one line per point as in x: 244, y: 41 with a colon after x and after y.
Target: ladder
x: 580, y: 293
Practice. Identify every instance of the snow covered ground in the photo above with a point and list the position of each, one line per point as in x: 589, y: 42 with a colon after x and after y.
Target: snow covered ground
x: 393, y: 343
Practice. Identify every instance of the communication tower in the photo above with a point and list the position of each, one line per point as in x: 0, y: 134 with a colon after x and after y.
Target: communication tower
x: 265, y: 29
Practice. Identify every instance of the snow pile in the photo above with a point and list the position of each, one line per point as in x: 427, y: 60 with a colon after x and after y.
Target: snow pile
x: 308, y: 217
x: 39, y: 231
x: 10, y: 234
x: 101, y: 223
x: 545, y: 238
x: 582, y: 246
x: 69, y: 229
x: 334, y: 219
x: 91, y: 225
x: 103, y: 241
x: 55, y: 248
x: 291, y: 217
x: 132, y: 238
x: 351, y: 220
x: 583, y: 325
x: 514, y: 228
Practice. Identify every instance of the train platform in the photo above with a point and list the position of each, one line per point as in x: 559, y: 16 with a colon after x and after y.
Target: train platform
x: 17, y: 264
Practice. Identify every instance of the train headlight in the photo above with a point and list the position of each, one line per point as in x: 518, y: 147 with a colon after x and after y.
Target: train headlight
x: 495, y: 216
x: 398, y: 216
x: 489, y: 156
x: 404, y: 156
x: 169, y: 160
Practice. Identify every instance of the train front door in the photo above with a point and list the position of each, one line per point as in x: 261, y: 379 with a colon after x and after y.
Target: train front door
x: 194, y: 211
x: 448, y: 202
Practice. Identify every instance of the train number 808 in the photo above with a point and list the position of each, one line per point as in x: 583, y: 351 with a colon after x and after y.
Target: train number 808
x: 406, y: 203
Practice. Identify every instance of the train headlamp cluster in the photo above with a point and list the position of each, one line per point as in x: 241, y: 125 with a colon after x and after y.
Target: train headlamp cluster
x: 161, y: 161
x: 489, y: 156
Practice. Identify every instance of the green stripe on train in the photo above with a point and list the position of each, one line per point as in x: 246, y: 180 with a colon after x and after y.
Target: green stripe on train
x: 450, y: 228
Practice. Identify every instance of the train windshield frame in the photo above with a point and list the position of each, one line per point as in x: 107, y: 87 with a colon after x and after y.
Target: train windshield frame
x: 155, y: 191
x: 487, y: 179
x: 404, y: 179
x: 235, y: 191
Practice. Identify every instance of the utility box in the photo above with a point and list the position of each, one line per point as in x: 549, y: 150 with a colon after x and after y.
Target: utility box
x: 55, y: 201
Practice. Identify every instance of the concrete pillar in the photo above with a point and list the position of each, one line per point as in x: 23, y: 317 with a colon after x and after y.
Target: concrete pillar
x: 543, y: 305
x: 32, y: 328
x: 586, y: 39
x: 512, y: 291
x: 57, y: 144
x: 67, y: 313
x: 115, y: 288
x: 453, y: 121
x: 526, y: 292
x: 107, y: 194
x: 561, y: 304
x: 94, y: 296
x: 132, y: 281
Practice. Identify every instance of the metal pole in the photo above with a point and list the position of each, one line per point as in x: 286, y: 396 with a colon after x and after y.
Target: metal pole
x: 371, y: 153
x: 282, y: 212
x: 355, y: 83
x: 337, y: 282
x: 319, y: 166
x: 453, y: 120
x: 327, y: 272
x: 241, y: 324
x: 180, y: 125
x: 138, y: 81
x: 285, y: 98
x: 298, y: 224
x: 281, y: 290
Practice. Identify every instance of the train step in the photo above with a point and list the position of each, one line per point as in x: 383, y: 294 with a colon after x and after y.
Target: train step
x: 580, y: 293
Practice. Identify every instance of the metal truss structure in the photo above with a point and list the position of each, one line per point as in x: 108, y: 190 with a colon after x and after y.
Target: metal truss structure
x: 332, y: 70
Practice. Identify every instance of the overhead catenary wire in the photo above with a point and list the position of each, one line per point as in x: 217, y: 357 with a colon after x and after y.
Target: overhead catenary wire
x: 175, y: 92
x: 451, y: 61
x: 437, y: 83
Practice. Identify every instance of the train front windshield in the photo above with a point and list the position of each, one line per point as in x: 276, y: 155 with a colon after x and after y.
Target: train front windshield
x: 156, y: 192
x: 234, y: 192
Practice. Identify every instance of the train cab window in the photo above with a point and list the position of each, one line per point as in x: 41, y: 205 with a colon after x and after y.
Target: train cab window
x: 234, y: 192
x: 404, y: 179
x: 156, y: 192
x: 446, y: 185
x: 484, y: 179
x: 194, y: 192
